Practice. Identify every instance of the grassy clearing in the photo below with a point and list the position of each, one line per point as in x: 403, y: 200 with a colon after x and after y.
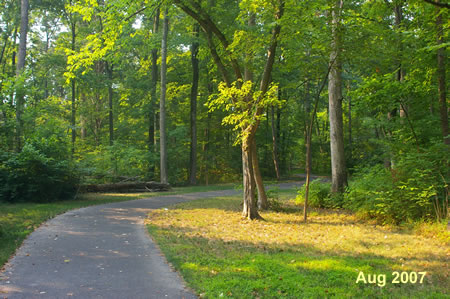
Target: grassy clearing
x: 221, y: 255
x: 17, y: 221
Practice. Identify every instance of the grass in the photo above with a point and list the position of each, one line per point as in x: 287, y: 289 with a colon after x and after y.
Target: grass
x: 17, y: 221
x: 221, y: 255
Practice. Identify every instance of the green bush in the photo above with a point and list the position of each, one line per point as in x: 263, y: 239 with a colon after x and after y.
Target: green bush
x: 319, y: 195
x: 34, y: 175
x: 414, y: 189
x: 273, y: 199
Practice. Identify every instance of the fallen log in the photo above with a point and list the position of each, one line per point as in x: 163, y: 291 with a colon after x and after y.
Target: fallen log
x: 126, y: 187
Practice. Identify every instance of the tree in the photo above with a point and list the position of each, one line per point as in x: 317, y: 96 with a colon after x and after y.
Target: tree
x: 248, y: 104
x: 193, y: 114
x: 153, y: 86
x: 162, y: 102
x: 338, y: 167
x: 20, y: 67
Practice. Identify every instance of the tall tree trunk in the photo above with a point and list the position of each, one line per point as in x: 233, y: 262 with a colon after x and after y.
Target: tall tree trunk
x: 20, y: 66
x: 350, y: 141
x: 47, y: 43
x: 338, y: 167
x: 442, y: 89
x: 13, y: 54
x: 307, y: 124
x: 162, y: 102
x: 194, y: 92
x: 206, y: 146
x: 109, y: 70
x: 154, y: 82
x: 249, y: 76
x: 276, y: 160
x: 72, y: 119
x: 83, y: 132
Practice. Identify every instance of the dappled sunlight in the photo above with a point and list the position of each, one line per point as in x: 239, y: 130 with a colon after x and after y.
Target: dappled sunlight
x: 338, y: 234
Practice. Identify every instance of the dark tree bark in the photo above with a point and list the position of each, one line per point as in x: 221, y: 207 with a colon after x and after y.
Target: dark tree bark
x: 153, y: 85
x: 20, y: 66
x: 194, y: 92
x: 442, y: 89
x: 162, y: 103
x: 338, y: 167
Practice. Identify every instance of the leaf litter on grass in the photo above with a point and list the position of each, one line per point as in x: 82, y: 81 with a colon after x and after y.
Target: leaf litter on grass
x: 333, y: 245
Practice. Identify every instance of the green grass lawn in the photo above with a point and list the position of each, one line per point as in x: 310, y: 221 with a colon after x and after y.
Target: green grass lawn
x: 17, y: 221
x: 221, y: 255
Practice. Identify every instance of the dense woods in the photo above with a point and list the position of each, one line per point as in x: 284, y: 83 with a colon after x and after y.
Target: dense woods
x: 202, y: 92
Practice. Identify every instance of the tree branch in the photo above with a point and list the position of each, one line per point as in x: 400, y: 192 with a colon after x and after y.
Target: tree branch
x: 438, y: 4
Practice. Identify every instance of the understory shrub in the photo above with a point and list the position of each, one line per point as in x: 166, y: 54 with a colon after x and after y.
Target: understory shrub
x: 273, y: 199
x: 414, y: 189
x: 319, y: 195
x: 36, y: 174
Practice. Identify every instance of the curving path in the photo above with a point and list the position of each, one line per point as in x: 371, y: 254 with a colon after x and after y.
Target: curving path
x: 101, y: 251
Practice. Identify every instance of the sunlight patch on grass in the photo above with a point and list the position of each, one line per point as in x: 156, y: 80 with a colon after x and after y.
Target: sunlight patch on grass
x: 283, y: 257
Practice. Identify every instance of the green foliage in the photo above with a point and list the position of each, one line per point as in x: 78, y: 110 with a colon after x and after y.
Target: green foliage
x: 38, y: 174
x: 319, y: 195
x: 414, y: 189
x: 273, y: 198
x: 242, y: 102
x: 107, y: 163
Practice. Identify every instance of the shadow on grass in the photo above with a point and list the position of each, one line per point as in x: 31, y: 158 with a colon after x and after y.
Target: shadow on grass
x: 218, y: 268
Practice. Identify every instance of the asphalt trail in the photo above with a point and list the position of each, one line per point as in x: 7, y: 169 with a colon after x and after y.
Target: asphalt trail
x: 101, y: 251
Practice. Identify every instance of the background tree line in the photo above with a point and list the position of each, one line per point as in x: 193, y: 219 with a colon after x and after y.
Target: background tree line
x: 100, y: 91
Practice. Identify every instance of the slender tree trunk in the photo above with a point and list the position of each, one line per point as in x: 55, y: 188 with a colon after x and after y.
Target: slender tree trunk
x: 276, y: 160
x: 194, y: 92
x: 47, y: 43
x: 20, y: 66
x: 72, y: 119
x: 308, y: 173
x: 154, y: 82
x: 109, y: 70
x: 262, y: 197
x: 5, y: 45
x: 13, y: 54
x: 350, y: 141
x: 338, y: 167
x: 83, y: 117
x: 206, y: 146
x: 442, y: 89
x: 308, y: 143
x: 307, y: 123
x: 162, y: 103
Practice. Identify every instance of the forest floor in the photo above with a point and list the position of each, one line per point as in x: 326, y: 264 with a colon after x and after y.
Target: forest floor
x: 221, y: 255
